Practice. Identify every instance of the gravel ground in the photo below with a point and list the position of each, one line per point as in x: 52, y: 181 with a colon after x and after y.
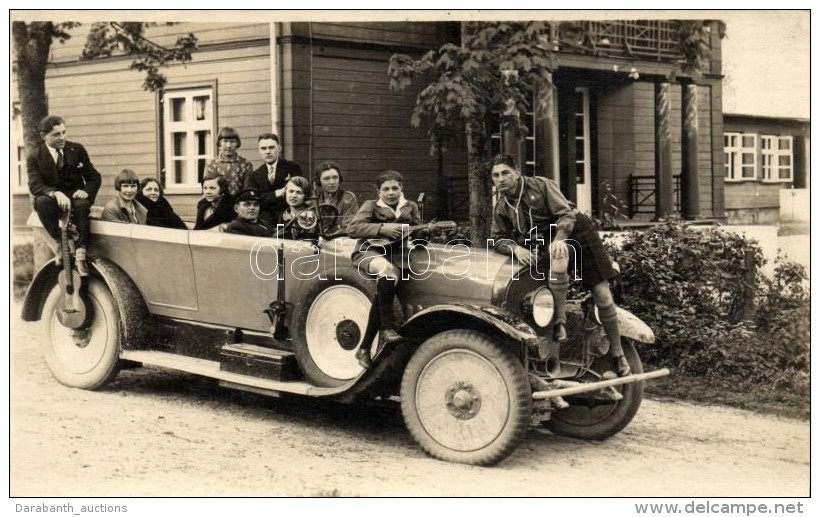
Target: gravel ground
x: 160, y: 433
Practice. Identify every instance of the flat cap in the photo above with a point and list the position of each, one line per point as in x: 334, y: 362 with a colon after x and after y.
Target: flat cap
x: 248, y: 194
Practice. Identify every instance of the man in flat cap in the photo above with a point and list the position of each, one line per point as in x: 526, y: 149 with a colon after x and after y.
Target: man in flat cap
x: 246, y: 206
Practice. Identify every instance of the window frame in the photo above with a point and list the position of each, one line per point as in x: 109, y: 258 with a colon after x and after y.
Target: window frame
x: 190, y: 126
x: 733, y: 169
x: 771, y: 173
x: 17, y: 152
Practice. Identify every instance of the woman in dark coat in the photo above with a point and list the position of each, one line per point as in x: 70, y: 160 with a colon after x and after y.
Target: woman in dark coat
x: 215, y: 209
x: 160, y: 212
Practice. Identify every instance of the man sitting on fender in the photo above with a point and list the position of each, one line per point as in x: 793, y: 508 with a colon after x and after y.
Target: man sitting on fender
x: 527, y: 208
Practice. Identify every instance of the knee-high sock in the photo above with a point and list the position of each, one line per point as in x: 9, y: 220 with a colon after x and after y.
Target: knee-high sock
x: 386, y: 290
x: 609, y: 320
x: 558, y: 284
x: 373, y: 322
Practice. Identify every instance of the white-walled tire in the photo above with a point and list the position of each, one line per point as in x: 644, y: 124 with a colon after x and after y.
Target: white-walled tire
x: 328, y: 325
x: 88, y: 357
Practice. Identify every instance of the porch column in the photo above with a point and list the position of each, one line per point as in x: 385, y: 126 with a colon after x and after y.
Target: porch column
x: 690, y: 185
x: 511, y: 145
x: 546, y: 163
x: 664, y: 190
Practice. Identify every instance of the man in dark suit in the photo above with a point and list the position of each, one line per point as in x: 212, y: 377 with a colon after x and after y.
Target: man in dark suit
x: 269, y: 180
x: 61, y: 176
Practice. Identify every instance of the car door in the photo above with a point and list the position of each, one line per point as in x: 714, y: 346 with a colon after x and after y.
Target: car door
x: 237, y: 276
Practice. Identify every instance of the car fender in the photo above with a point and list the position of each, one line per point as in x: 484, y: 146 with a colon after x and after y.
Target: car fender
x: 433, y: 320
x: 634, y: 328
x: 133, y: 313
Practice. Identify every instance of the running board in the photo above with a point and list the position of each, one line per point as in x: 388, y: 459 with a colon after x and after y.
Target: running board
x: 584, y: 387
x: 211, y: 369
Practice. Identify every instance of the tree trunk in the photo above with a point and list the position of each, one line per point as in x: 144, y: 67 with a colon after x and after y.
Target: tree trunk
x: 478, y: 183
x: 32, y: 43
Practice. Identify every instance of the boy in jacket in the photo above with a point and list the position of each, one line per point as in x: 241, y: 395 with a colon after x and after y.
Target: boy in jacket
x: 382, y: 219
x: 524, y: 214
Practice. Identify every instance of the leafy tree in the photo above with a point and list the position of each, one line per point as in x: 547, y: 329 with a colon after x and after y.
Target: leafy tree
x: 32, y: 45
x: 491, y: 76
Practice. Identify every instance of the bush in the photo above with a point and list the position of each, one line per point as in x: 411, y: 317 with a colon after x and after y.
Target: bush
x: 714, y: 313
x: 23, y: 268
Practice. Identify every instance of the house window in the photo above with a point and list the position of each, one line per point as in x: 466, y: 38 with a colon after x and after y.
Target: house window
x: 188, y: 126
x: 776, y: 158
x: 19, y: 174
x: 740, y: 156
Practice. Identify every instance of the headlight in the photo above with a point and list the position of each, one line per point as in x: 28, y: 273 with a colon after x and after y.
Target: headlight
x: 540, y: 305
x: 307, y: 219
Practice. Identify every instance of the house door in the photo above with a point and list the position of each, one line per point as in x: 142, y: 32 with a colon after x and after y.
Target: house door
x: 575, y: 152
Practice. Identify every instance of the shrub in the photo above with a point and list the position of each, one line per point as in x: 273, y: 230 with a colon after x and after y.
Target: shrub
x: 714, y: 313
x: 22, y: 267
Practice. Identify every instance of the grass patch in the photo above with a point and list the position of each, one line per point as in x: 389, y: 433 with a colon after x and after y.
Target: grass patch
x: 22, y: 269
x: 752, y: 396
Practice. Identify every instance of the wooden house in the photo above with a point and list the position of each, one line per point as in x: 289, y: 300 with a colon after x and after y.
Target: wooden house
x: 622, y: 116
x: 767, y: 168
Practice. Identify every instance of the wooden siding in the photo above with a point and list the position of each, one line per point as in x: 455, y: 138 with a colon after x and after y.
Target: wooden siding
x: 752, y: 194
x: 626, y: 137
x: 423, y: 35
x: 206, y: 33
x: 108, y: 112
x: 616, y: 137
x: 365, y: 127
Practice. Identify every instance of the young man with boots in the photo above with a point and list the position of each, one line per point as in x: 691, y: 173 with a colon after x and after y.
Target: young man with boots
x: 524, y: 214
x: 382, y: 252
x: 62, y: 177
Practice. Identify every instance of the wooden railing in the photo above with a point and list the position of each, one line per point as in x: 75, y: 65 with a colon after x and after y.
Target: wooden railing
x: 642, y: 194
x: 655, y: 40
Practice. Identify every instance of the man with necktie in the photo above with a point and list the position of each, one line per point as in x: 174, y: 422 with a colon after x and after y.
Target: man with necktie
x: 270, y: 179
x: 61, y: 176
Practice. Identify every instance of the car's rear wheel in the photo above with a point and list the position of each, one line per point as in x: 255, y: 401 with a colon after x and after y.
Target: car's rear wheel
x: 595, y: 419
x: 465, y: 398
x: 329, y: 323
x: 86, y: 357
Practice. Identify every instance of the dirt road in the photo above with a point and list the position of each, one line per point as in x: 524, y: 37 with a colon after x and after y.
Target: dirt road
x: 158, y: 433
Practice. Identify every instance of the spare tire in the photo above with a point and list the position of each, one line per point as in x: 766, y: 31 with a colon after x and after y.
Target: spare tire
x: 329, y: 323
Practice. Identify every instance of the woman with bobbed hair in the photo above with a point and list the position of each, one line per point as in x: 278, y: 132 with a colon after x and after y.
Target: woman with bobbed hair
x: 228, y: 163
x: 298, y: 197
x: 328, y: 180
x: 124, y: 208
x: 215, y: 210
x: 160, y: 211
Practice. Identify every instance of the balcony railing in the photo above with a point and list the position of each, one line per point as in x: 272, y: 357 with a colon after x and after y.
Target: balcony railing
x: 642, y: 194
x: 655, y: 40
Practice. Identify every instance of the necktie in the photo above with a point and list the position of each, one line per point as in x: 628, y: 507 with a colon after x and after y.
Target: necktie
x: 271, y: 174
x: 60, y: 161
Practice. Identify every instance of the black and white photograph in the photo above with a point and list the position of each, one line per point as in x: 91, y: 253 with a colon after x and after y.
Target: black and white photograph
x: 410, y: 254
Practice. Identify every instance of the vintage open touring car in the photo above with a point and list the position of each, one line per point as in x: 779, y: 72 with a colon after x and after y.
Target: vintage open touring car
x: 475, y: 370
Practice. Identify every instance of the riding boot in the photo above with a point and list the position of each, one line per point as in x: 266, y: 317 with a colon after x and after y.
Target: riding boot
x: 386, y: 291
x: 609, y: 320
x: 558, y: 285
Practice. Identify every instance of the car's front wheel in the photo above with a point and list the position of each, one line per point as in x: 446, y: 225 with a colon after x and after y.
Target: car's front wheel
x: 86, y: 357
x: 465, y: 398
